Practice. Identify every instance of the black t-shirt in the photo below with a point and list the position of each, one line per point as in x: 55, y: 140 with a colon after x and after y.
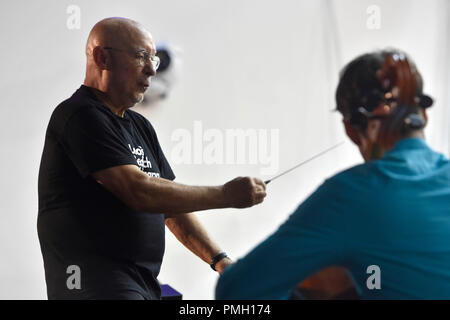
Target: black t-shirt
x: 117, y: 249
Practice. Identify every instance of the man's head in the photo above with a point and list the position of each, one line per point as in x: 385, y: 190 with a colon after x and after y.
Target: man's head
x: 119, y: 53
x: 360, y: 88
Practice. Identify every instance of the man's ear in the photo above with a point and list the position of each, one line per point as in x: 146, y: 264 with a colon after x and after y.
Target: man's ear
x: 351, y: 132
x: 100, y: 58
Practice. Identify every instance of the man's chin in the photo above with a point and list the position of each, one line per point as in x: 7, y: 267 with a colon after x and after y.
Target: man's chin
x: 138, y: 98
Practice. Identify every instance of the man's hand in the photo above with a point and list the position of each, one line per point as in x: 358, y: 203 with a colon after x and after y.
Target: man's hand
x: 223, y: 264
x: 244, y: 192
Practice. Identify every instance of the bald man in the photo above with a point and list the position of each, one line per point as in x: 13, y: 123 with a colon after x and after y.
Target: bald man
x: 106, y: 189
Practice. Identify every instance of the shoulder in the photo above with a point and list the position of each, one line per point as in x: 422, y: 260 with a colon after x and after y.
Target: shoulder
x: 333, y: 201
x: 343, y: 186
x: 361, y: 173
x: 78, y: 108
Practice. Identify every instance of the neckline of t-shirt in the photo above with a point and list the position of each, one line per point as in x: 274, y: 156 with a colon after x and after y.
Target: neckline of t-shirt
x: 126, y: 116
x: 98, y: 102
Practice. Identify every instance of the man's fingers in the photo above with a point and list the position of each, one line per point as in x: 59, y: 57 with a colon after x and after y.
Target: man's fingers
x: 259, y: 196
x: 259, y: 182
x: 258, y: 200
x: 259, y: 190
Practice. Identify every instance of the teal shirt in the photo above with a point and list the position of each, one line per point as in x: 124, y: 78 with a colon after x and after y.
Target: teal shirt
x: 393, y: 213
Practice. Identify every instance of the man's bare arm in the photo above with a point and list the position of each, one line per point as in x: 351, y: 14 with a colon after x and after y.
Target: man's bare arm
x: 157, y: 195
x: 190, y: 232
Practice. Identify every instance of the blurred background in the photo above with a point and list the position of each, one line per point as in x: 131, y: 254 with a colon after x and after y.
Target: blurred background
x: 269, y: 66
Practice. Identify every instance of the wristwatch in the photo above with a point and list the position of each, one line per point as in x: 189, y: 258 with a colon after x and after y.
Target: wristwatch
x: 216, y: 259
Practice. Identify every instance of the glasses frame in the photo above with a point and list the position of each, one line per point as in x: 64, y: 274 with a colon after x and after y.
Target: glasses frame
x: 154, y: 60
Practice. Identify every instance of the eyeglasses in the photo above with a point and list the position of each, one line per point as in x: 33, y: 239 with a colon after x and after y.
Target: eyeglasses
x: 142, y: 56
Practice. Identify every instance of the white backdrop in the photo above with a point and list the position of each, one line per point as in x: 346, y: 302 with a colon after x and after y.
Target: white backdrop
x: 247, y: 64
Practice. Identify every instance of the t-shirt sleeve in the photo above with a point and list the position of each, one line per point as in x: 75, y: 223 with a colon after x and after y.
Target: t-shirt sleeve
x: 166, y: 170
x: 164, y: 166
x: 92, y: 143
x: 310, y: 240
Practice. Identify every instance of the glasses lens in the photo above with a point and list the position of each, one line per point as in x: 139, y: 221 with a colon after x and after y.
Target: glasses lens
x: 155, y: 62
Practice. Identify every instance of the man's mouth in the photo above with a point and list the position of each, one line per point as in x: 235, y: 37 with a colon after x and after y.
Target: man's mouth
x: 144, y: 85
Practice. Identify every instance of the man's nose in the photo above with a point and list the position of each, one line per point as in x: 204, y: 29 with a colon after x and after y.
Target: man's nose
x: 148, y: 70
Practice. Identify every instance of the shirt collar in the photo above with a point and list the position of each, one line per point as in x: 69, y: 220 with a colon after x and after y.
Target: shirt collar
x: 407, y: 146
x: 87, y: 91
x: 410, y: 144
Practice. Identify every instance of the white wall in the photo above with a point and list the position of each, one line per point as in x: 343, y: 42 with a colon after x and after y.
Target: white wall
x: 246, y: 64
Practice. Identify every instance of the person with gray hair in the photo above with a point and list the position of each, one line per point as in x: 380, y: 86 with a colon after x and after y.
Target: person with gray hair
x: 106, y: 190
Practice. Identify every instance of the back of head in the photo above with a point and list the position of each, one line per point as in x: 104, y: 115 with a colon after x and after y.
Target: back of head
x: 368, y: 85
